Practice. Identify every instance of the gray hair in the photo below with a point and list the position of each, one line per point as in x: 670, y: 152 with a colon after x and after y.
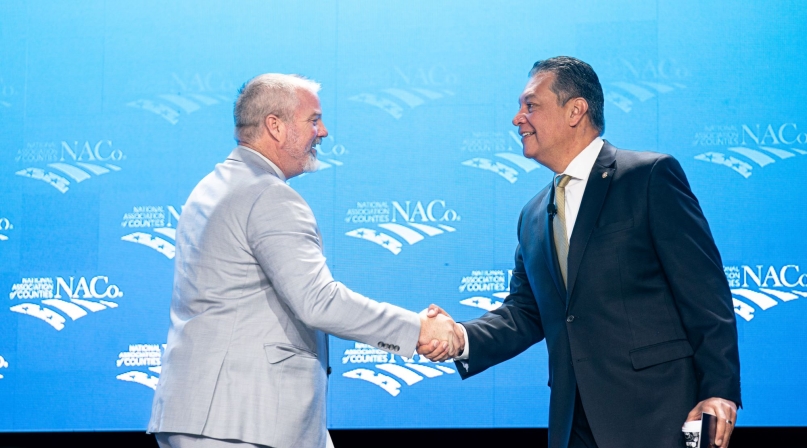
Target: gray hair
x: 267, y: 94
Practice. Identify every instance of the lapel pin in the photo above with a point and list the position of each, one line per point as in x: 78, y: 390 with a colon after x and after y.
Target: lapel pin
x: 604, y: 175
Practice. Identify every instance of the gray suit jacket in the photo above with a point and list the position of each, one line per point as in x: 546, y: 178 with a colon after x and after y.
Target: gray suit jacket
x: 253, y: 298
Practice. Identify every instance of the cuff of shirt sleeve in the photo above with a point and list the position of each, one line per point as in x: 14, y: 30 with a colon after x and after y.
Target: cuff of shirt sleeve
x: 466, y: 350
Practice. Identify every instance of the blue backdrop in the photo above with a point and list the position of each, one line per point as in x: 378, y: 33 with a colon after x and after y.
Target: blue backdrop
x: 110, y: 113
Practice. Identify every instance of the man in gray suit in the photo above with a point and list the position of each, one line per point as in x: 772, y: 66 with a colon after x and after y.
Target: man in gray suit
x: 247, y: 356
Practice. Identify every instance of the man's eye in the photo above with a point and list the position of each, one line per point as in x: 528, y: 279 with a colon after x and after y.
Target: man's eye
x: 530, y: 106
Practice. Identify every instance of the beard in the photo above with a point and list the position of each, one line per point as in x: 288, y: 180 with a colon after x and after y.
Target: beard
x: 311, y: 164
x: 299, y: 150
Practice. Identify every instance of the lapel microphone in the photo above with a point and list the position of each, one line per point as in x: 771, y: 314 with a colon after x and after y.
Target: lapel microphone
x: 551, y: 208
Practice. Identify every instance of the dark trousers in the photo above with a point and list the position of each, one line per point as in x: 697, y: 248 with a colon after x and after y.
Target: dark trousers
x: 581, y: 436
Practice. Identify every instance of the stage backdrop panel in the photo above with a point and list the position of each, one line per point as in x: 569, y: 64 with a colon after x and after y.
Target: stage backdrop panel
x: 110, y: 113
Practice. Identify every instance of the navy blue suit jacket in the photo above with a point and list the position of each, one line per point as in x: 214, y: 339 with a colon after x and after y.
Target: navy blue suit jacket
x: 646, y: 327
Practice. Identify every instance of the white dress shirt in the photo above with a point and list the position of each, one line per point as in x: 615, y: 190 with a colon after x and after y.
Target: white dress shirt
x: 579, y: 169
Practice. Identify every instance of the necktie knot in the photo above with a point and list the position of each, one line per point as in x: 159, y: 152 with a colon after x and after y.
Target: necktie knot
x: 562, y: 180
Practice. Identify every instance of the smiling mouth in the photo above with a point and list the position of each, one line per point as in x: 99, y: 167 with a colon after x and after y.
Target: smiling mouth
x: 527, y: 134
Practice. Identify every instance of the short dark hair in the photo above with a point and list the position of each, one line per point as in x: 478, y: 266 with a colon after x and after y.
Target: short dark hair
x: 574, y: 78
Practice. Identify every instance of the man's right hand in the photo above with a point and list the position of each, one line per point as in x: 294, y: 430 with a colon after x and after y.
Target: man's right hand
x: 437, y: 332
x: 437, y: 349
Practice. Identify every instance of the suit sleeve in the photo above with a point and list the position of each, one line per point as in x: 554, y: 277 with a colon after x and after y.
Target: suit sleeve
x: 505, y: 332
x: 694, y: 271
x: 282, y: 233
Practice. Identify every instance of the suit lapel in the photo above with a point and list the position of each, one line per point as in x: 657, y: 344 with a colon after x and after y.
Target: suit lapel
x: 548, y: 244
x: 593, y: 198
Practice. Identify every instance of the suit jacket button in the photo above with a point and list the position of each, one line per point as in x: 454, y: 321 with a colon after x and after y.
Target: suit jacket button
x: 570, y: 319
x: 329, y: 370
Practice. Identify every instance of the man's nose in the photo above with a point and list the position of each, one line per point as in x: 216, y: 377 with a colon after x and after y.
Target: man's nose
x: 518, y: 119
x: 322, y: 131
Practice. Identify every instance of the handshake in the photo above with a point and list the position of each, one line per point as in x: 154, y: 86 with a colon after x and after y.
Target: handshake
x: 440, y: 337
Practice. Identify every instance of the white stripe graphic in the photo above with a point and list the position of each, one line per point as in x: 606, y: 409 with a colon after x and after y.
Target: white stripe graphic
x: 160, y: 245
x: 446, y: 228
x: 639, y: 92
x: 662, y: 88
x: 187, y: 105
x: 109, y: 304
x: 140, y: 378
x: 756, y: 156
x: 619, y: 101
x: 113, y: 167
x: 77, y: 174
x: 781, y: 295
x: 379, y: 379
x: 425, y: 370
x: 505, y: 171
x: 759, y: 299
x: 446, y: 369
x: 782, y: 154
x: 92, y: 306
x: 406, y: 233
x: 31, y: 309
x: 170, y: 232
x: 206, y: 100
x: 95, y: 169
x: 384, y: 104
x: 517, y: 159
x: 3, y: 238
x: 428, y: 230
x: 382, y: 239
x: 430, y: 94
x: 485, y: 303
x: 73, y: 311
x: 408, y: 98
x: 743, y: 310
x: 403, y: 373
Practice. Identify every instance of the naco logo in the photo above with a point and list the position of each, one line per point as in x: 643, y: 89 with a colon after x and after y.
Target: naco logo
x: 412, y: 222
x: 770, y: 143
x: 383, y: 370
x: 142, y: 361
x: 156, y: 227
x: 627, y: 82
x: 508, y: 162
x: 191, y: 93
x: 3, y: 365
x: 410, y: 89
x: 489, y: 288
x: 5, y: 226
x: 53, y: 163
x: 330, y: 153
x: 762, y: 287
x: 59, y: 298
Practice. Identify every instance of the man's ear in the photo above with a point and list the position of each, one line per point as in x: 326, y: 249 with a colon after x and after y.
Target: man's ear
x: 275, y: 128
x: 577, y: 110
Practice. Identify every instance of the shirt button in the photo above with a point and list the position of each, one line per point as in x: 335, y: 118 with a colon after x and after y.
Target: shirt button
x: 570, y: 319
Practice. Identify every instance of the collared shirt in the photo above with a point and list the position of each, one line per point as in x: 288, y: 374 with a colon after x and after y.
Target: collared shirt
x: 579, y: 169
x: 271, y: 164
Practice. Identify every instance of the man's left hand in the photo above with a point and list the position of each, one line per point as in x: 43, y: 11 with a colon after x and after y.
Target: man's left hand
x: 726, y: 413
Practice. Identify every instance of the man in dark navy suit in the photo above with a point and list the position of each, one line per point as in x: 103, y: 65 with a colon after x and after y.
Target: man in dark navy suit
x: 617, y: 269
